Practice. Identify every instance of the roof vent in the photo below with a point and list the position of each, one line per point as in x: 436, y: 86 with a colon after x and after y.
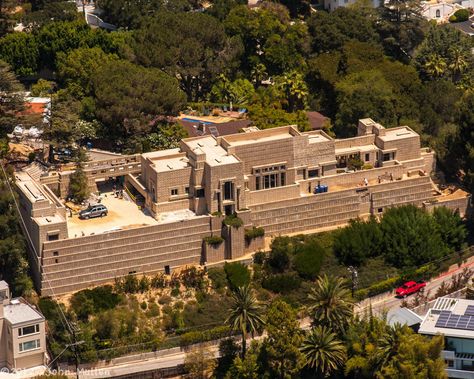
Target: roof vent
x: 170, y: 167
x: 218, y: 160
x: 15, y: 301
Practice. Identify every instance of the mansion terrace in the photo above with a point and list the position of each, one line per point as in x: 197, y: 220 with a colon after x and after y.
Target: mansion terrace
x: 278, y: 179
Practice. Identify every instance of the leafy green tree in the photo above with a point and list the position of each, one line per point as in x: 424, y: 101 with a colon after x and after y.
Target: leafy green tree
x: 246, y: 368
x: 78, y: 185
x: 238, y: 92
x: 364, y: 94
x: 200, y: 363
x: 330, y: 303
x: 330, y: 31
x: 324, y: 352
x: 13, y: 258
x: 80, y: 65
x: 308, y: 259
x: 466, y: 138
x: 244, y: 314
x: 42, y: 88
x: 20, y: 50
x: 358, y: 242
x: 443, y: 53
x: 294, y: 89
x: 269, y: 38
x: 7, y: 21
x: 12, y: 100
x: 164, y: 136
x: 410, y: 237
x: 48, y: 11
x: 190, y: 46
x: 417, y: 357
x: 451, y: 228
x: 128, y: 97
x: 401, y: 27
x: 283, y: 341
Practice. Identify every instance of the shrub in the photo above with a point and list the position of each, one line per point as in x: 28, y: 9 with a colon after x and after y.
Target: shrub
x: 158, y: 281
x: 144, y: 284
x: 410, y: 237
x: 259, y: 257
x: 165, y: 299
x: 308, y: 260
x: 355, y: 164
x: 213, y: 240
x: 237, y: 275
x: 175, y: 292
x: 91, y: 301
x: 452, y: 18
x: 253, y: 233
x: 233, y: 221
x: 282, y: 283
x: 279, y: 259
x: 216, y: 214
x: 153, y: 310
x: 191, y: 338
x: 367, y: 166
x: 357, y: 242
x: 218, y: 277
x: 460, y: 15
x: 143, y: 305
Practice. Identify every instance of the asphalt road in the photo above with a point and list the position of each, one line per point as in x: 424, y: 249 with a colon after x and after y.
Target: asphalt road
x: 388, y: 302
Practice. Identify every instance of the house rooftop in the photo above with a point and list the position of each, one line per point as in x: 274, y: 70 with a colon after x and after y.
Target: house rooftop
x: 266, y: 135
x: 401, y: 132
x: 459, y: 310
x: 215, y: 154
x: 3, y: 285
x: 19, y: 312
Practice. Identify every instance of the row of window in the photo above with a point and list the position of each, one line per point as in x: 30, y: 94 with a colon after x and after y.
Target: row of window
x: 29, y: 345
x: 270, y: 181
x: 28, y: 330
x: 199, y: 192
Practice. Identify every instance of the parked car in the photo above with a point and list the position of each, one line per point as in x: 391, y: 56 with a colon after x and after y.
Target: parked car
x: 92, y: 211
x: 410, y: 287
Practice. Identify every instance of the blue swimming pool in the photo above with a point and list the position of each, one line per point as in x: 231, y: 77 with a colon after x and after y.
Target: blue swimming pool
x: 196, y: 121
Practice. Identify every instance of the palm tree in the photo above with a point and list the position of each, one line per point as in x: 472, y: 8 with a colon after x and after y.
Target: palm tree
x: 390, y: 342
x: 457, y: 63
x: 245, y: 314
x: 323, y: 351
x: 295, y: 90
x: 331, y: 303
x: 435, y: 66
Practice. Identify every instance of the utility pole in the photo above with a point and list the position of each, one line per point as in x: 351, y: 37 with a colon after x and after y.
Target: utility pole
x: 74, y: 346
x: 354, y: 278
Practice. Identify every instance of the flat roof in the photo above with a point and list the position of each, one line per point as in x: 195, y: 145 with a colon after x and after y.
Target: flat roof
x: 273, y: 134
x: 356, y: 149
x: 457, y: 307
x: 161, y: 153
x: 317, y: 138
x: 170, y: 164
x: 401, y: 132
x: 403, y: 316
x: 18, y: 312
x: 215, y: 154
x: 49, y: 220
x: 29, y: 187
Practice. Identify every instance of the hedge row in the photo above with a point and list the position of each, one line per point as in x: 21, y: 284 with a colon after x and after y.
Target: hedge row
x: 389, y: 284
x: 253, y: 233
x: 213, y: 240
x: 194, y: 337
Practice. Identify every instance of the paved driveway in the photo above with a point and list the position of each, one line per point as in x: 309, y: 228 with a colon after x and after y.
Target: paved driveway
x: 465, y: 26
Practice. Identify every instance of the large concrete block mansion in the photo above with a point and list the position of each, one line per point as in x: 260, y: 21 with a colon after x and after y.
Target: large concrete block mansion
x: 279, y: 179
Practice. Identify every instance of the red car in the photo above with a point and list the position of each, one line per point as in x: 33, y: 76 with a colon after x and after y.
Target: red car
x: 410, y: 287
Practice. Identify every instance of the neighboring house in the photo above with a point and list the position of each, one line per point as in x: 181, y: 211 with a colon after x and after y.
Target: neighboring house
x: 316, y: 120
x: 199, y: 128
x: 453, y: 318
x: 440, y: 11
x: 37, y: 105
x: 22, y: 333
x: 404, y: 316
